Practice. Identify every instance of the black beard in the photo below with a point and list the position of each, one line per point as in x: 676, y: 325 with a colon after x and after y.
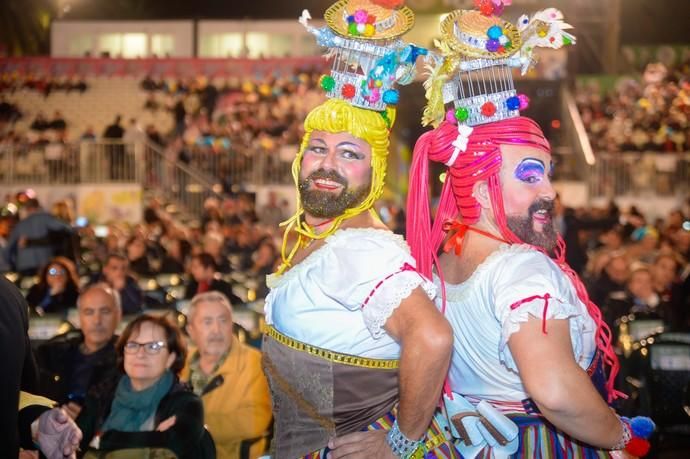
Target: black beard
x: 324, y: 204
x: 523, y: 227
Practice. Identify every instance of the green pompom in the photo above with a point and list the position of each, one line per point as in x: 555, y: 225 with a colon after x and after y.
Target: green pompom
x: 352, y: 29
x: 327, y: 83
x: 461, y: 114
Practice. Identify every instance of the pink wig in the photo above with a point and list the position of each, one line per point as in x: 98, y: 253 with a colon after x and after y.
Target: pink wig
x: 481, y: 160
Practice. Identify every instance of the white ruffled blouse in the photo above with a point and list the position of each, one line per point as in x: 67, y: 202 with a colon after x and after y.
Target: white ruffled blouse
x: 480, y: 313
x: 340, y: 296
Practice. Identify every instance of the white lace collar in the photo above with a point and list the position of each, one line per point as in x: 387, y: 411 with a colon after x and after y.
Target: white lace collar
x: 275, y: 281
x: 456, y: 291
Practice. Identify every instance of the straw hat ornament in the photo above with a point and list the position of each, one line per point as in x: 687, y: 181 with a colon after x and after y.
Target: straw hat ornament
x: 478, y: 51
x: 362, y: 38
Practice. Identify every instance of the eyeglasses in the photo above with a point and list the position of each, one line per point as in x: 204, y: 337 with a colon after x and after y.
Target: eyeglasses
x: 152, y: 348
x: 56, y: 272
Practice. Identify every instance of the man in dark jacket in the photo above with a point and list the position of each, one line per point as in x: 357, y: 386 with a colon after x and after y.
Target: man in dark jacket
x: 38, y: 225
x: 203, y: 268
x: 75, y: 363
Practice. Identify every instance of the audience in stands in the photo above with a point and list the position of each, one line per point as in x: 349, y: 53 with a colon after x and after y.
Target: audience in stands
x: 149, y: 409
x: 646, y: 114
x: 228, y: 377
x: 83, y: 362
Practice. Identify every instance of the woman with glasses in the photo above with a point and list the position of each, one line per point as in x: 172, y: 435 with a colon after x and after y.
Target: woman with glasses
x: 57, y: 288
x: 149, y: 409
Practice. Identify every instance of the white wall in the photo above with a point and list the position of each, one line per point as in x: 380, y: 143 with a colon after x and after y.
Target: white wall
x: 266, y: 38
x: 71, y: 38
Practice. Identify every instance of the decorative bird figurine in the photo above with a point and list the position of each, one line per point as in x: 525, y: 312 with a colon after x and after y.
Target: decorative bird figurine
x: 545, y: 29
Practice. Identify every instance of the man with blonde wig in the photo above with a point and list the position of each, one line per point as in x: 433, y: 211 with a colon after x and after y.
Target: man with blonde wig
x: 355, y: 351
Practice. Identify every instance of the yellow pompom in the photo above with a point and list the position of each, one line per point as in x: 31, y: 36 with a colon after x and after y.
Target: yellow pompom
x: 369, y: 30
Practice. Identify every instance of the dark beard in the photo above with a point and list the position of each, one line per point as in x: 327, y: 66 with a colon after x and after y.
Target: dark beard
x: 523, y: 227
x: 324, y: 204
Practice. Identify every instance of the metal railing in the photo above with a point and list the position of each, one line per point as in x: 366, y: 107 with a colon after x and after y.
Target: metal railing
x: 639, y: 174
x: 176, y: 181
x: 69, y: 163
x: 257, y: 167
x: 107, y: 162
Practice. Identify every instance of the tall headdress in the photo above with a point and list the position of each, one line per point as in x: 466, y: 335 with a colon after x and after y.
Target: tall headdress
x: 369, y: 57
x: 479, y: 51
x: 362, y: 38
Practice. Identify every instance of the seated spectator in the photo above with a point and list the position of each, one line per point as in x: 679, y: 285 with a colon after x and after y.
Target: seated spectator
x: 57, y: 288
x: 612, y: 280
x: 88, y: 135
x: 138, y: 259
x: 40, y: 124
x: 203, y: 269
x: 227, y: 375
x: 640, y: 298
x: 115, y: 274
x: 214, y: 245
x: 149, y: 409
x: 58, y: 122
x: 177, y: 251
x: 80, y: 362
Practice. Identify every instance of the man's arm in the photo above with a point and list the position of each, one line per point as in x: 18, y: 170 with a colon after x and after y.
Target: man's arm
x: 560, y: 388
x: 426, y: 340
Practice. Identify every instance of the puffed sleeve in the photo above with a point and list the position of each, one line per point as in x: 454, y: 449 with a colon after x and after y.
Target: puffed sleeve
x: 532, y: 285
x: 373, y: 272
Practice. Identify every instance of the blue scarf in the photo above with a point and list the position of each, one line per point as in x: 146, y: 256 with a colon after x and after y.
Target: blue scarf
x: 131, y: 409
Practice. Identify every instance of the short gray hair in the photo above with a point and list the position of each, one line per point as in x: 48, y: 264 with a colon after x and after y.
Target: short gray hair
x: 105, y: 288
x: 207, y: 297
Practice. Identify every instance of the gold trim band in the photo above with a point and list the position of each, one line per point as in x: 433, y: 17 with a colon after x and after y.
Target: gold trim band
x: 331, y: 356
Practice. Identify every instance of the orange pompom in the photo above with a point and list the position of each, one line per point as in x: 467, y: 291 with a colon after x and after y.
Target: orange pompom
x: 637, y: 447
x: 389, y: 4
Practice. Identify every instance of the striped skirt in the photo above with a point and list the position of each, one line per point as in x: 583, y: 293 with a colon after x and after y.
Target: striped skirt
x: 436, y: 445
x: 540, y: 440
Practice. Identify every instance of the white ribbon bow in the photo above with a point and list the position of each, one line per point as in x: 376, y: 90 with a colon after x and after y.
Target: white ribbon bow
x: 460, y: 143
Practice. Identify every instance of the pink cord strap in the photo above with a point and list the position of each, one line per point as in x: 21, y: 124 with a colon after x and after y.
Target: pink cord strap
x: 544, y: 297
x: 405, y: 267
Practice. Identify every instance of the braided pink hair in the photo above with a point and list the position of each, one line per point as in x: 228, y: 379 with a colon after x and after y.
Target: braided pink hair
x: 481, y: 160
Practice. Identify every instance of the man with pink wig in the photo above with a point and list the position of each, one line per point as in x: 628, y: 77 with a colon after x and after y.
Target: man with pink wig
x: 532, y: 367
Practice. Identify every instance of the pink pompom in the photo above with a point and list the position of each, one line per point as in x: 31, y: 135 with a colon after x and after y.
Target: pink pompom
x: 524, y: 101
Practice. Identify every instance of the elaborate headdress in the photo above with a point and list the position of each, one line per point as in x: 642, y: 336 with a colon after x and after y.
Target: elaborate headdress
x: 474, y: 74
x: 362, y: 38
x: 479, y: 50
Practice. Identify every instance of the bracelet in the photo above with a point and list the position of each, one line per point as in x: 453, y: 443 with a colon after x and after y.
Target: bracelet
x: 626, y: 436
x: 401, y: 445
x: 636, y: 432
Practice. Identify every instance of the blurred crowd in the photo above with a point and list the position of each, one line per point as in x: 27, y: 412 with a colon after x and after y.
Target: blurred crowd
x: 650, y: 112
x: 52, y: 255
x: 219, y: 129
x: 631, y: 264
x: 10, y: 82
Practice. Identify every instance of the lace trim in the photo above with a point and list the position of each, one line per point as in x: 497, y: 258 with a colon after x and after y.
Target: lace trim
x: 557, y: 309
x: 456, y: 292
x: 274, y: 281
x: 376, y: 315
